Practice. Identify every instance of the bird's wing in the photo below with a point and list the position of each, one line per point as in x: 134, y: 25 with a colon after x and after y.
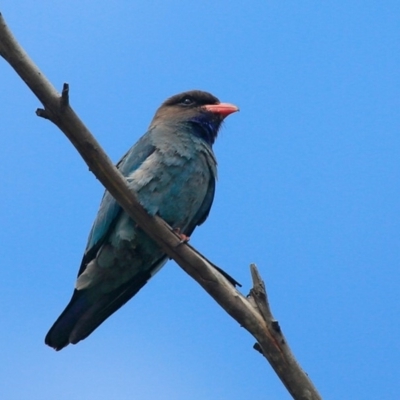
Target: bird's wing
x: 109, y: 209
x: 205, y: 207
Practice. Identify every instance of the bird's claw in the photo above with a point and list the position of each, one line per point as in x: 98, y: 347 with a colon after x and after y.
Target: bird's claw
x: 182, y: 236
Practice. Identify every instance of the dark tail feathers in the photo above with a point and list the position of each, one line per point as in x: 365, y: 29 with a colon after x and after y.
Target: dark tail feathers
x: 86, y: 311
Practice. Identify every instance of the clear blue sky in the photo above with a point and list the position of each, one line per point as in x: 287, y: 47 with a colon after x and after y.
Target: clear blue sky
x: 309, y: 188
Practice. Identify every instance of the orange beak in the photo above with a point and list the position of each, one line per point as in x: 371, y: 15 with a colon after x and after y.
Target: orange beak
x: 222, y: 109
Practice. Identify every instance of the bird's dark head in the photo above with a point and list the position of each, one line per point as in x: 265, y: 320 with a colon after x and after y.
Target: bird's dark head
x: 202, y: 111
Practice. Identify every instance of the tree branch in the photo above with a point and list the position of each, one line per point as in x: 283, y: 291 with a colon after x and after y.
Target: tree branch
x: 252, y: 313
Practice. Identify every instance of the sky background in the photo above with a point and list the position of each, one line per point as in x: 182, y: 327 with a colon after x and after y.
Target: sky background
x: 308, y: 189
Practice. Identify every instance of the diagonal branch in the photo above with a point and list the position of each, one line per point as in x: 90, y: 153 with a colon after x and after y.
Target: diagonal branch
x: 252, y: 313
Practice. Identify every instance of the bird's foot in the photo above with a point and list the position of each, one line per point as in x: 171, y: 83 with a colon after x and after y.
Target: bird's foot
x: 182, y: 236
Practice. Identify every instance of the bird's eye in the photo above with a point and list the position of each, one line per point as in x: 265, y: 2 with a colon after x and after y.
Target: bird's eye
x: 187, y: 101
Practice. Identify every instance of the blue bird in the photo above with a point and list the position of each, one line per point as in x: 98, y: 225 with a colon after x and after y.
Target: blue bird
x: 172, y: 169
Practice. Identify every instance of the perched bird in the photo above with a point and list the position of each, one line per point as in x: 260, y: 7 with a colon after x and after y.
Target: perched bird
x: 172, y: 170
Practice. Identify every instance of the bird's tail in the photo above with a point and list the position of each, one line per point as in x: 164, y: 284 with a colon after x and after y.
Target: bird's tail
x: 86, y: 311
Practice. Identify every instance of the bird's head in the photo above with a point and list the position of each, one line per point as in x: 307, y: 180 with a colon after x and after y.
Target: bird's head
x: 201, y: 111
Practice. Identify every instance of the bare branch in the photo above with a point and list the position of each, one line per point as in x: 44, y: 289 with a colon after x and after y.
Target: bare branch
x: 253, y: 314
x: 274, y: 345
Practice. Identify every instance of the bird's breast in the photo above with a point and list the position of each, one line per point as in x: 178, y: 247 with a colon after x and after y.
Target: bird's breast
x: 173, y: 184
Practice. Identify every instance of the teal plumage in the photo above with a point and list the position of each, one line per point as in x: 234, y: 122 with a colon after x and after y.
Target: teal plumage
x: 172, y: 169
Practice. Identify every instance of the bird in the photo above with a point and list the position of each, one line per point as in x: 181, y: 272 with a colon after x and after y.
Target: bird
x: 173, y: 170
